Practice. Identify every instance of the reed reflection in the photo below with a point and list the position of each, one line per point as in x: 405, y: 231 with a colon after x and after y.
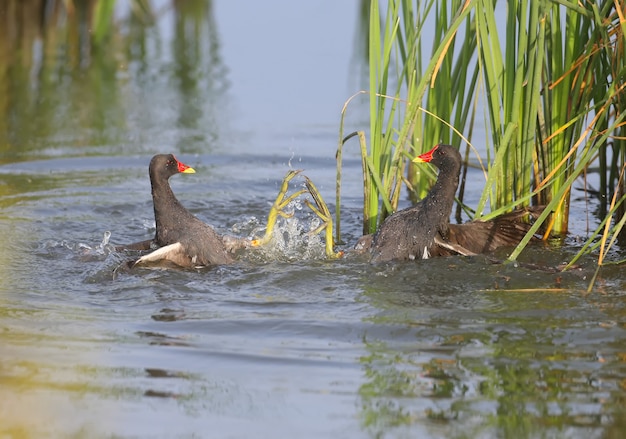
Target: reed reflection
x: 86, y: 77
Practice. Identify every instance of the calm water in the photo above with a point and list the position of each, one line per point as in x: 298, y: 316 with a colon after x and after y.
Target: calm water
x: 283, y: 343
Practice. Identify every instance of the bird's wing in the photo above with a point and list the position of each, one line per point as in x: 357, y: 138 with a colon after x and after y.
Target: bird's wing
x: 174, y: 253
x: 455, y: 248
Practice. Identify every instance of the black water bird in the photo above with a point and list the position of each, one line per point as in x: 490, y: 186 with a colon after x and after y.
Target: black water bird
x: 424, y: 231
x: 180, y: 237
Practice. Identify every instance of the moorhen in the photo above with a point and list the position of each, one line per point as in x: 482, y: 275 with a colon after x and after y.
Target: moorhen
x: 180, y: 237
x: 424, y: 231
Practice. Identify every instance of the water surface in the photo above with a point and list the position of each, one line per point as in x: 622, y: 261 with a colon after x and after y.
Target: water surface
x: 283, y: 343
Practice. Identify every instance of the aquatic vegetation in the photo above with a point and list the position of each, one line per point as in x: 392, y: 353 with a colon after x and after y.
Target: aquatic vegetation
x: 550, y: 90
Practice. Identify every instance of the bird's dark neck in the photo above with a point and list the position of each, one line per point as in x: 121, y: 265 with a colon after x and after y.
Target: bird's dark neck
x: 167, y: 208
x: 440, y: 199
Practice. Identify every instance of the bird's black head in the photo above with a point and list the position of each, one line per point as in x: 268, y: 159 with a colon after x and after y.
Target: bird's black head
x: 440, y: 156
x: 166, y: 165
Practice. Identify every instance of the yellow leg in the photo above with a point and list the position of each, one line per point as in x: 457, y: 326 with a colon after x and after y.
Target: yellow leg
x: 321, y: 210
x: 277, y: 208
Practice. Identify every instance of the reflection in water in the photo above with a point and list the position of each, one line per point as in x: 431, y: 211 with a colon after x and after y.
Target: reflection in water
x: 496, y: 365
x: 200, y: 73
x: 61, y: 87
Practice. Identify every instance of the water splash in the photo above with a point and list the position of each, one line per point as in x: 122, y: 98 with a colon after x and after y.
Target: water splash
x: 249, y: 227
x: 104, y: 248
x: 291, y: 240
x: 83, y: 250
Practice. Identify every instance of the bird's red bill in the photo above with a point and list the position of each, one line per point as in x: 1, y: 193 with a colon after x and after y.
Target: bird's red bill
x: 426, y: 157
x: 185, y: 168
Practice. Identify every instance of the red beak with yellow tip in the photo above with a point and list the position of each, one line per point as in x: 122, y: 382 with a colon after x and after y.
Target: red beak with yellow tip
x: 426, y: 157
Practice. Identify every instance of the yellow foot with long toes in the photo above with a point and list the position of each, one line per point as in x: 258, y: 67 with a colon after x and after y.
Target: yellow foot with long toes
x: 277, y: 208
x: 321, y: 210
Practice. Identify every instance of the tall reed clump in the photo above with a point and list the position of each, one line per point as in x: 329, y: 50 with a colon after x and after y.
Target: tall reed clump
x: 398, y: 84
x: 551, y: 84
x: 548, y: 95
